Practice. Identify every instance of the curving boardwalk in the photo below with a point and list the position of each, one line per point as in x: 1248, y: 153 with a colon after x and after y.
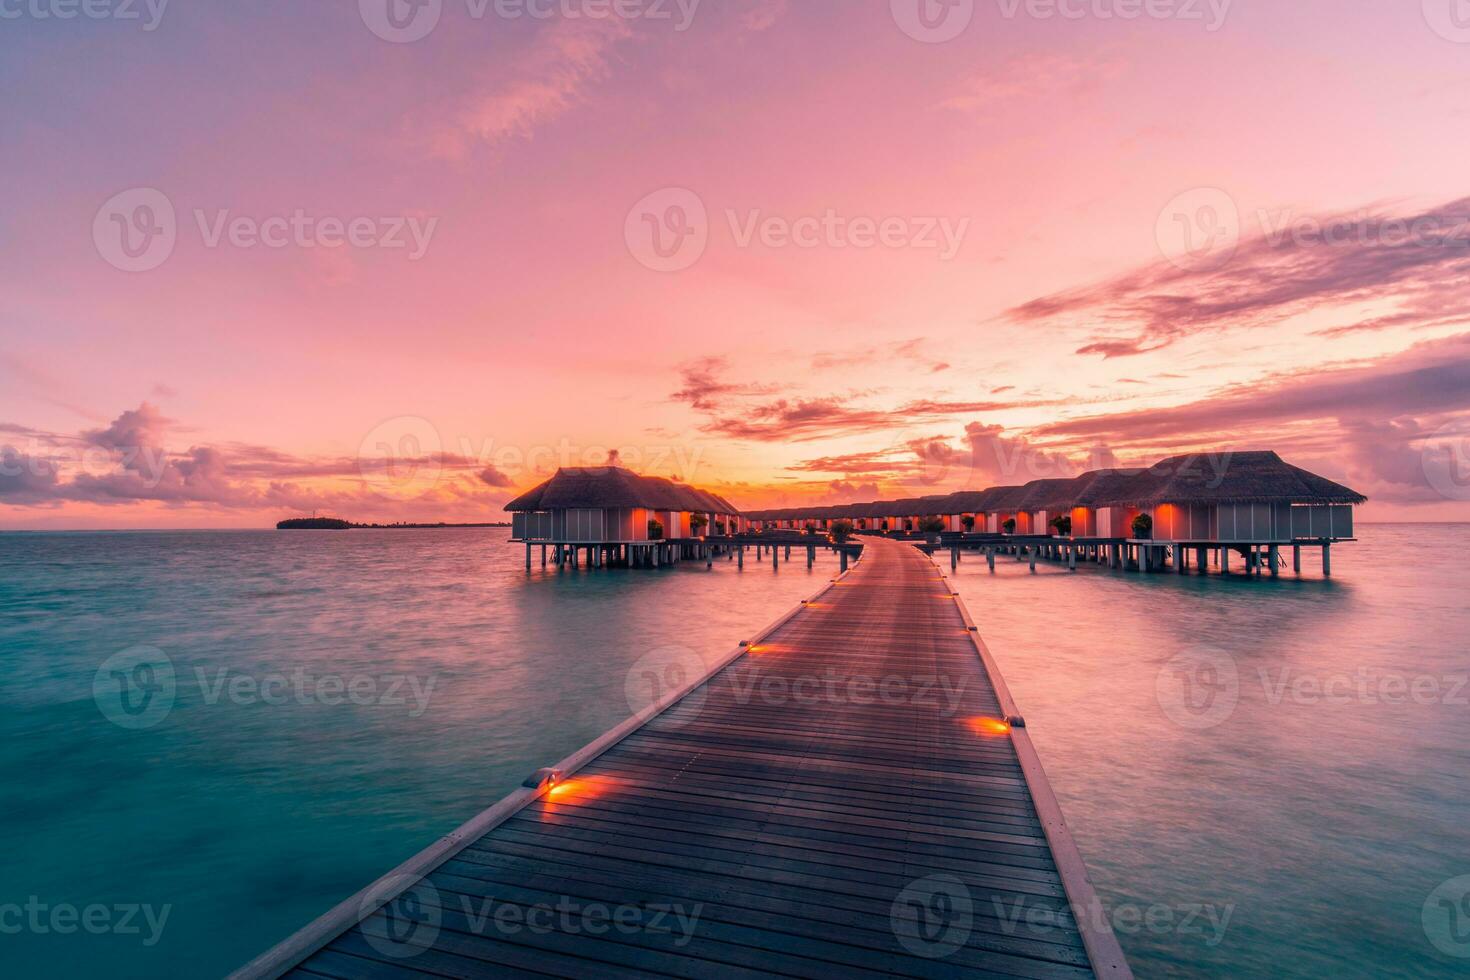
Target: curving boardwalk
x: 838, y: 801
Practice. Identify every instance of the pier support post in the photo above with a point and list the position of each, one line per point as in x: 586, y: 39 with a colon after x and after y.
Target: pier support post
x: 1326, y: 560
x: 1224, y: 561
x: 990, y: 559
x: 843, y: 558
x: 1296, y: 558
x: 811, y: 555
x: 1274, y: 557
x: 528, y: 557
x: 1179, y: 562
x: 954, y: 558
x: 740, y: 556
x: 775, y: 558
x: 1032, y: 552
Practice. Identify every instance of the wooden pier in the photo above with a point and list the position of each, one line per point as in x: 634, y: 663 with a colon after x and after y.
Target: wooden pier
x: 851, y: 792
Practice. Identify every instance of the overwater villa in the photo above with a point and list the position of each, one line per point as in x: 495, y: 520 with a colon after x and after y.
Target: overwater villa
x: 620, y: 517
x: 1208, y: 505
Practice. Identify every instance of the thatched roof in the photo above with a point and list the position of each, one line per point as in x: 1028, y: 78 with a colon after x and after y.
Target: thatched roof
x: 1248, y: 477
x: 613, y: 487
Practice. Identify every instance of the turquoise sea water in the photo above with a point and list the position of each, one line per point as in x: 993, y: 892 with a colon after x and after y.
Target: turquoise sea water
x: 340, y: 700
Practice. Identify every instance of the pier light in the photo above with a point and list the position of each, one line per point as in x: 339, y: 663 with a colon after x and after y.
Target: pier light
x: 989, y: 726
x: 543, y: 779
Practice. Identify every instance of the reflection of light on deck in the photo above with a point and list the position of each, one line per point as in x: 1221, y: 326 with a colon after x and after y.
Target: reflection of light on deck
x: 575, y: 790
x: 988, y: 726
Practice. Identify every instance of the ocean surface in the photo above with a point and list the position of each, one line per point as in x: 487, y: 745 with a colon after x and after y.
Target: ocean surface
x: 209, y: 738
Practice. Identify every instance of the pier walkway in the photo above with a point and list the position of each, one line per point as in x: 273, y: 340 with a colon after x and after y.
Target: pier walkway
x: 841, y: 797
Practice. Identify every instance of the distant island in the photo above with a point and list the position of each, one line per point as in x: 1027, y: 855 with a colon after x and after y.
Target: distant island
x: 337, y: 524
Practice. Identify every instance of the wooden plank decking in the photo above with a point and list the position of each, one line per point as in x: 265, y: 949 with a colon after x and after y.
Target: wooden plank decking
x: 827, y: 804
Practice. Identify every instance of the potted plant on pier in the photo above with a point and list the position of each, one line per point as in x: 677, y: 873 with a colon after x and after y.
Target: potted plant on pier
x: 720, y: 528
x: 697, y: 524
x: 1063, y: 525
x: 655, y: 529
x: 1143, y: 527
x: 968, y: 523
x: 841, y: 531
x: 1008, y: 525
x: 932, y: 527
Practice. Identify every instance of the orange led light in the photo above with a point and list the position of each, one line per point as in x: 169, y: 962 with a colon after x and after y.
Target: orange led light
x: 988, y: 726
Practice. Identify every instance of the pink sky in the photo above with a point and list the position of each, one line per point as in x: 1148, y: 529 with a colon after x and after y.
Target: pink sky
x: 1026, y: 308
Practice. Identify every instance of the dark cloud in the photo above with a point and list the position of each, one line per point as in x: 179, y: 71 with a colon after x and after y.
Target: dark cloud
x: 492, y: 477
x: 1361, y: 423
x: 1420, y: 262
x: 705, y: 389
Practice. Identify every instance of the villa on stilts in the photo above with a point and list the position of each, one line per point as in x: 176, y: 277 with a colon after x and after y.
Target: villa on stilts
x: 1188, y: 511
x: 608, y: 516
